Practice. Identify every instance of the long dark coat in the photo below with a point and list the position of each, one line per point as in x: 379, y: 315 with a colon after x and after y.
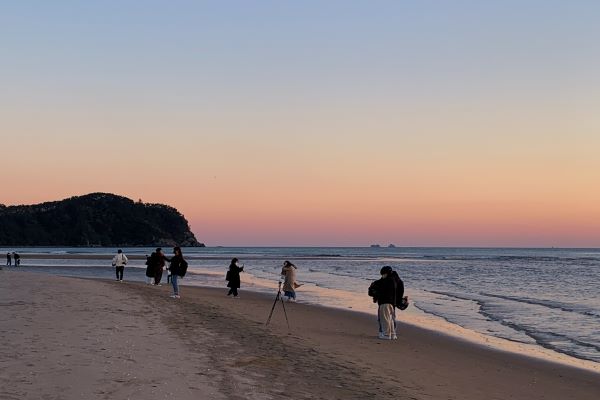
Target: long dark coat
x: 151, y: 265
x: 233, y: 276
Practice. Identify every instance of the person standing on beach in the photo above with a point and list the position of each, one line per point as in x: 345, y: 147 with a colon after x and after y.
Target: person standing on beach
x: 383, y: 292
x: 150, y: 268
x: 178, y: 268
x: 119, y: 261
x: 8, y: 260
x: 288, y: 273
x: 160, y: 262
x: 233, y: 278
x: 17, y: 258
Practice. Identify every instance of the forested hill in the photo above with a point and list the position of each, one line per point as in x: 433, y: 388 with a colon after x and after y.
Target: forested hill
x: 96, y: 219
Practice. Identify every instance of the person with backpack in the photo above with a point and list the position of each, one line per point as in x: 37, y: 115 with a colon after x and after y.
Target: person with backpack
x: 150, y: 268
x: 233, y: 277
x: 119, y: 261
x: 17, y: 258
x: 178, y: 268
x: 384, y: 293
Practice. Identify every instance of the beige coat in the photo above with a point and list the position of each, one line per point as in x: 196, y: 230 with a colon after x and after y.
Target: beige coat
x: 289, y: 282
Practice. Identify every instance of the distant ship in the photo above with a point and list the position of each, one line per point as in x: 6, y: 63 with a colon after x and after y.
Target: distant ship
x: 392, y: 246
x: 375, y: 246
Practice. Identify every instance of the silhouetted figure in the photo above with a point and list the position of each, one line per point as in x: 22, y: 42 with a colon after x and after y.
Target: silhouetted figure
x: 8, y: 260
x: 150, y: 260
x: 384, y: 292
x: 17, y: 258
x: 159, y: 265
x: 233, y: 277
x: 178, y: 268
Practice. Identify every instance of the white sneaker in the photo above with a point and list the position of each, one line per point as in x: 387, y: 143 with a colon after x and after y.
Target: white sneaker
x: 394, y: 337
x: 174, y: 296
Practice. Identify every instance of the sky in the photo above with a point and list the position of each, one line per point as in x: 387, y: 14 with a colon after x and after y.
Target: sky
x: 313, y: 123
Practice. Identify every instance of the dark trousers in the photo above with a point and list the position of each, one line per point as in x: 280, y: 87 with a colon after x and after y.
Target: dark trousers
x: 233, y: 291
x: 158, y: 276
x: 119, y: 271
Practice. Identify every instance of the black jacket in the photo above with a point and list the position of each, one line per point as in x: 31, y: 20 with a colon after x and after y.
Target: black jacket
x: 150, y: 261
x: 178, y: 266
x: 384, y: 290
x: 233, y: 276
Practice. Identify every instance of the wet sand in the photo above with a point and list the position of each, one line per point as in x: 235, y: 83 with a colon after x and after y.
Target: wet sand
x: 67, y: 338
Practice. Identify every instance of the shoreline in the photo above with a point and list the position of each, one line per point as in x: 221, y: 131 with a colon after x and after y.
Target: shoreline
x: 414, y: 317
x: 330, y: 353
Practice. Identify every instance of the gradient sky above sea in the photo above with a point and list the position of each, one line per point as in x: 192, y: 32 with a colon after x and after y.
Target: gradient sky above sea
x: 462, y: 123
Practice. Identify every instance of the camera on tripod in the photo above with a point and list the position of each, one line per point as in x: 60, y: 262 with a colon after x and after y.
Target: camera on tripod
x: 278, y: 297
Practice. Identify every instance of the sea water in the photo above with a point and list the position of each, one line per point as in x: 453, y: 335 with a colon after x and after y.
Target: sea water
x: 547, y: 298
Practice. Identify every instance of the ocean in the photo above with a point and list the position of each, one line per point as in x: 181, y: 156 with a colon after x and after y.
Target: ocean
x: 541, y: 298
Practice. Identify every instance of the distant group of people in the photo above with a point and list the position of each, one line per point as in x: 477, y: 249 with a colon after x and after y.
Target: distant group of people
x: 387, y: 292
x: 155, y: 265
x: 177, y: 268
x: 10, y: 257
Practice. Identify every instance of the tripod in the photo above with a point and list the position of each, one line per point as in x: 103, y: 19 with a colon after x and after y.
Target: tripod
x: 278, y: 298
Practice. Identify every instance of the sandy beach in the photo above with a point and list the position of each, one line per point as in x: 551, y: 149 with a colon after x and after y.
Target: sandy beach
x: 67, y: 338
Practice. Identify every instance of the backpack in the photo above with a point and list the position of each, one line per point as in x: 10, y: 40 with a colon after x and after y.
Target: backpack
x: 228, y: 275
x: 373, y: 291
x: 183, y: 265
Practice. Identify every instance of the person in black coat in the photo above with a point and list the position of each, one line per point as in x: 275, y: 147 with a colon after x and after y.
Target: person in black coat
x: 384, y: 293
x: 160, y: 260
x: 150, y: 261
x: 178, y: 269
x: 233, y: 277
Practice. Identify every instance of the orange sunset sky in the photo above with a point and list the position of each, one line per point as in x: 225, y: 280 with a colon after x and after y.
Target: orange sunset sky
x: 321, y: 123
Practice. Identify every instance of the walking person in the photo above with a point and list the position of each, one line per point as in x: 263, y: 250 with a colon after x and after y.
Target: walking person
x: 384, y: 292
x: 17, y: 258
x: 119, y: 261
x: 8, y: 260
x: 178, y: 268
x: 233, y: 277
x: 288, y: 273
x: 160, y: 262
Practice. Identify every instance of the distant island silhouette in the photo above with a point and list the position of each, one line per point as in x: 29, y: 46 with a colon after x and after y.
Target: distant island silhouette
x: 95, y: 219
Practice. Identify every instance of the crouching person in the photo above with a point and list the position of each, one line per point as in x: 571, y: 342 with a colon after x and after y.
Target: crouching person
x: 383, y: 292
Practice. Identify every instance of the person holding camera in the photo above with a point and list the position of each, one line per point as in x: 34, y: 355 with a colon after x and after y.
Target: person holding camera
x: 288, y: 274
x: 384, y: 292
x: 119, y: 261
x: 233, y: 277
